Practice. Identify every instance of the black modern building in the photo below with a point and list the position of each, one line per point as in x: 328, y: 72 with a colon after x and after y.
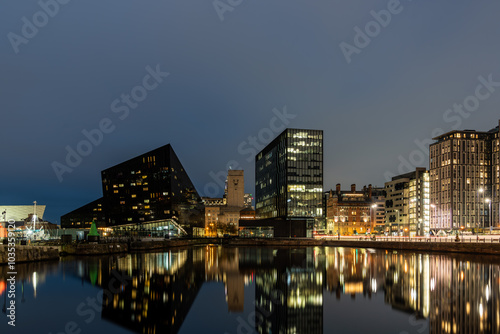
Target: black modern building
x: 289, y: 177
x: 149, y: 188
x: 83, y: 216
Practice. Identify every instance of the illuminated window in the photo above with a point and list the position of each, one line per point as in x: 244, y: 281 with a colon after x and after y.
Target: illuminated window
x: 296, y: 188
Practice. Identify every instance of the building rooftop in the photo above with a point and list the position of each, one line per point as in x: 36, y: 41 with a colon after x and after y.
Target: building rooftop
x: 450, y: 133
x: 20, y: 212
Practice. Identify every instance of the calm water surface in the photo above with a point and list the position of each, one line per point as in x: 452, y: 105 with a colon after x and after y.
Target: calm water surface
x: 215, y: 289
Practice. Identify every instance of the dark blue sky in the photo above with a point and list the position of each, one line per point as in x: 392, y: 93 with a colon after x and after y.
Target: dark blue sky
x: 226, y: 77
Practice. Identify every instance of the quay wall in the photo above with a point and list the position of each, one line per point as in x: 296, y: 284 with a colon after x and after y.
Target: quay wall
x: 42, y: 253
x: 94, y: 249
x: 29, y: 253
x: 422, y: 246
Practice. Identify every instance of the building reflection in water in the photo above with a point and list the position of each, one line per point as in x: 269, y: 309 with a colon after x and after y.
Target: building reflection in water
x: 31, y: 274
x: 465, y: 296
x: 289, y: 292
x: 452, y: 293
x: 407, y: 283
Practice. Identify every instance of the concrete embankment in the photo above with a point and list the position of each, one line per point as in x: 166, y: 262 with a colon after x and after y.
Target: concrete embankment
x: 29, y: 254
x: 450, y: 247
x: 41, y: 253
x: 143, y: 245
x: 421, y: 246
x: 94, y: 249
x: 139, y: 245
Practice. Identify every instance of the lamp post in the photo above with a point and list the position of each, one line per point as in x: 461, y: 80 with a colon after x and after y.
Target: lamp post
x: 399, y: 227
x: 480, y: 190
x: 435, y: 217
x: 373, y: 206
x: 34, y: 218
x: 489, y: 211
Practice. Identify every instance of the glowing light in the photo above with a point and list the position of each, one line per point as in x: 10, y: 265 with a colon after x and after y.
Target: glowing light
x: 35, y: 281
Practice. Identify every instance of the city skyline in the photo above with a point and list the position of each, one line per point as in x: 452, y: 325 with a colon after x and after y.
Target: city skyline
x: 218, y: 87
x: 424, y: 291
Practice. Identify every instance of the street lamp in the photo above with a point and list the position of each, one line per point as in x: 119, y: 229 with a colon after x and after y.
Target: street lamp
x: 480, y: 190
x: 34, y: 217
x: 373, y: 206
x: 399, y: 228
x: 435, y: 217
x: 489, y: 210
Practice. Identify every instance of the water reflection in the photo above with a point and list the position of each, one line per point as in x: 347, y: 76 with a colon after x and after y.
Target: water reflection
x: 154, y: 292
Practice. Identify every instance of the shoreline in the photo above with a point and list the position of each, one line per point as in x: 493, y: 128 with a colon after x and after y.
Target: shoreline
x: 487, y: 248
x: 42, y: 253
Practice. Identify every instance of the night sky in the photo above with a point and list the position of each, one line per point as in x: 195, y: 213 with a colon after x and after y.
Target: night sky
x: 227, y: 70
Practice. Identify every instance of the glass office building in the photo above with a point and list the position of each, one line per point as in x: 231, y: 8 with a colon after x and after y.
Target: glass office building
x: 289, y: 176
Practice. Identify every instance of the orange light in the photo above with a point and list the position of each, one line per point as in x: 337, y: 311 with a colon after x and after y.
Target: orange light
x: 3, y: 286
